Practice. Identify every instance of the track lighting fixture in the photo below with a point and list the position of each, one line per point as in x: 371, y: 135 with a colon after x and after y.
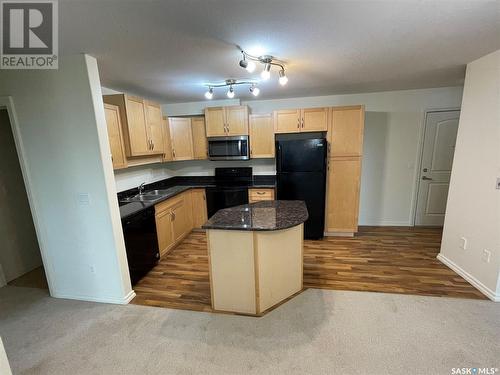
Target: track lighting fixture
x: 230, y: 83
x: 210, y: 93
x: 268, y: 61
x: 283, y: 78
x: 254, y: 90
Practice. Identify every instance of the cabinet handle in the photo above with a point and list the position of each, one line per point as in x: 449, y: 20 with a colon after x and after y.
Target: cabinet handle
x: 302, y: 122
x: 261, y: 192
x: 173, y: 153
x: 298, y: 123
x: 152, y: 145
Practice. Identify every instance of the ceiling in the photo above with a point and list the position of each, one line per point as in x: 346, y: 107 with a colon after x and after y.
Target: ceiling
x: 167, y: 50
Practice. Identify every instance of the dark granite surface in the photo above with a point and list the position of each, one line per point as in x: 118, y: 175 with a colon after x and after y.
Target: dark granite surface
x: 260, y: 216
x: 176, y: 185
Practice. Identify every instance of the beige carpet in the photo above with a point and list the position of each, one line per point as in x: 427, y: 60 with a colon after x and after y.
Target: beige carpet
x: 318, y: 332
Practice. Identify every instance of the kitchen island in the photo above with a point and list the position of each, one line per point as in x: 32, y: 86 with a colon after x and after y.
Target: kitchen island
x: 255, y: 255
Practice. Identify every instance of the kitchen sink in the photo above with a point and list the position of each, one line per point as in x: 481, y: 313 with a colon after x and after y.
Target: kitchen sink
x: 155, y: 193
x: 142, y: 198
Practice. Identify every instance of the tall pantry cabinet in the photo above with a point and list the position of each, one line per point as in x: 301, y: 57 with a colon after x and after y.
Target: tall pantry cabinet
x: 345, y: 150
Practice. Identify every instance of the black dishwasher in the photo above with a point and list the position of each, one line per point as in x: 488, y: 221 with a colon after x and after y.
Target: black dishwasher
x: 141, y: 243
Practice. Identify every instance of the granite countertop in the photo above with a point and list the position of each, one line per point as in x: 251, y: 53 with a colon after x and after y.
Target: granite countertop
x: 131, y: 208
x: 260, y: 216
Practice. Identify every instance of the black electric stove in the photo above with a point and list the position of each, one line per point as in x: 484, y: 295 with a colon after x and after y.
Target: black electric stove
x: 231, y: 189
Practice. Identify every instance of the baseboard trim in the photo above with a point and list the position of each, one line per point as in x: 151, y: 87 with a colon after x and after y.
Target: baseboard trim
x: 338, y: 234
x: 113, y: 300
x: 471, y: 279
x: 386, y: 223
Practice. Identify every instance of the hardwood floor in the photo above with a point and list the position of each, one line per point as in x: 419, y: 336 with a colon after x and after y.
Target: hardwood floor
x: 378, y: 259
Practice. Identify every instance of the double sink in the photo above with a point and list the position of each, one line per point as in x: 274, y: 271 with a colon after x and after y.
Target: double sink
x: 149, y: 196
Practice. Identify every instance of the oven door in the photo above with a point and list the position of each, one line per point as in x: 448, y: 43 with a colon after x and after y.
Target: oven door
x: 224, y: 197
x: 228, y: 148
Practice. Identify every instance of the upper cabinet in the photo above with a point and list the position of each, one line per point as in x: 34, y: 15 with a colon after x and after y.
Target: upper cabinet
x: 113, y: 124
x: 226, y: 121
x: 141, y: 124
x: 167, y: 142
x: 301, y: 120
x: 181, y: 138
x: 261, y: 136
x: 200, y: 148
x: 154, y: 125
x: 346, y: 131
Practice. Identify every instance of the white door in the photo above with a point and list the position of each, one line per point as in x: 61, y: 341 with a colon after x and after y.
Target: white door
x: 435, y: 169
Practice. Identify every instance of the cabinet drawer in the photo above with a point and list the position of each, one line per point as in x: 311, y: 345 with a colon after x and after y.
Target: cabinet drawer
x: 260, y: 194
x: 167, y: 204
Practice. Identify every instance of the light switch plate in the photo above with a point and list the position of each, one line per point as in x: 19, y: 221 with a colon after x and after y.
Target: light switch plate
x: 84, y: 199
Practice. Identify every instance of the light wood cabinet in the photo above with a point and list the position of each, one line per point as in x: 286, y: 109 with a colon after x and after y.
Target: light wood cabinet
x: 257, y: 195
x: 141, y: 124
x: 154, y: 120
x: 164, y: 231
x: 226, y: 121
x: 342, y: 206
x: 287, y: 121
x: 261, y: 133
x: 173, y: 221
x: 167, y: 142
x: 115, y: 137
x: 199, y: 207
x: 345, y: 135
x: 301, y: 120
x: 181, y: 138
x: 200, y: 147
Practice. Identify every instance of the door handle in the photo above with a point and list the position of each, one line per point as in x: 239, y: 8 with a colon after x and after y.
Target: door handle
x: 425, y: 178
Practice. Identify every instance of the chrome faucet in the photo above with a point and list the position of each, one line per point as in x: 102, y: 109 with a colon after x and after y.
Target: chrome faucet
x: 141, y: 188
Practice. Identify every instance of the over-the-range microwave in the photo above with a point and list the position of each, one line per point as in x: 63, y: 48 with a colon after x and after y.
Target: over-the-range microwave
x: 229, y: 148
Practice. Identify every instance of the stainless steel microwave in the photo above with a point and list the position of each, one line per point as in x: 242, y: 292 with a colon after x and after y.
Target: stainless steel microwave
x: 229, y: 148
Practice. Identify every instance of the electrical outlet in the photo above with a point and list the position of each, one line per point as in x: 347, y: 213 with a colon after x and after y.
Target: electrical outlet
x: 486, y: 255
x: 84, y: 199
x: 498, y: 183
x: 463, y: 243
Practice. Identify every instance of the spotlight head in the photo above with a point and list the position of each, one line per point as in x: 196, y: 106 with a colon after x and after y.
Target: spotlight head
x: 230, y: 92
x: 244, y: 63
x: 283, y: 78
x: 254, y: 90
x: 266, y: 72
x: 250, y: 66
x: 210, y: 93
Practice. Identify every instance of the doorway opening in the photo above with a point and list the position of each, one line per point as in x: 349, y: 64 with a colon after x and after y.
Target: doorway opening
x: 20, y: 258
x: 436, y: 160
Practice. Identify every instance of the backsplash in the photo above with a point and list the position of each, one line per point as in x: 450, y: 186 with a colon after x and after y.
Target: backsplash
x: 134, y: 176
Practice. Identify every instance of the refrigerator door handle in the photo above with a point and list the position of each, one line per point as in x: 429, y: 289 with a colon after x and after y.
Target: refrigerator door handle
x: 279, y: 158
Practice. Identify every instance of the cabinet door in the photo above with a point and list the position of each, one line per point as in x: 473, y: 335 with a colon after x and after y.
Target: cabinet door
x: 199, y: 206
x: 164, y: 231
x: 200, y: 150
x: 153, y: 121
x: 261, y: 133
x: 167, y: 142
x: 314, y: 119
x: 181, y: 219
x: 136, y: 123
x: 342, y: 208
x: 215, y: 122
x: 115, y: 136
x: 287, y: 121
x: 181, y: 137
x: 237, y: 120
x: 346, y: 132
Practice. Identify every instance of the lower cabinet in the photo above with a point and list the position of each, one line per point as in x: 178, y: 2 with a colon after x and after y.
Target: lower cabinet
x: 199, y: 207
x: 177, y: 216
x: 257, y: 195
x: 344, y: 175
x: 173, y: 221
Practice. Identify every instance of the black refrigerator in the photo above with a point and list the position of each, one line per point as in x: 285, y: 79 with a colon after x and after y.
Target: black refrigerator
x: 301, y: 175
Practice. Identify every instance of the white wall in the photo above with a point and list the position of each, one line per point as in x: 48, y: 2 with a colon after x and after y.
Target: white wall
x: 4, y: 362
x: 62, y: 128
x: 473, y: 208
